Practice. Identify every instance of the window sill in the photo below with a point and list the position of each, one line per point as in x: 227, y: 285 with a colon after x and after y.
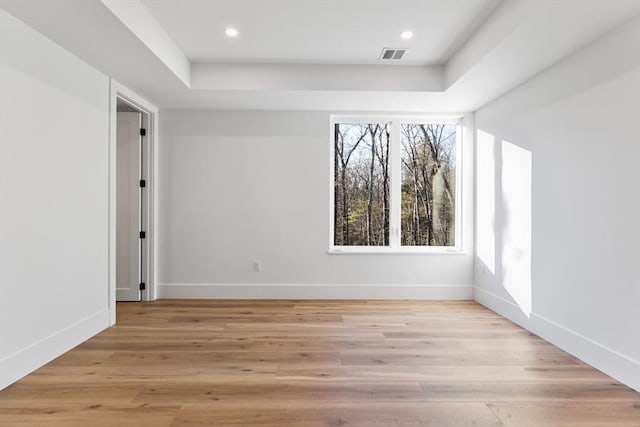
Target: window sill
x: 389, y: 251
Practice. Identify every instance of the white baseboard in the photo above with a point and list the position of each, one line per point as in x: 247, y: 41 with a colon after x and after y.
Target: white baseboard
x: 28, y: 359
x: 622, y: 368
x: 278, y: 291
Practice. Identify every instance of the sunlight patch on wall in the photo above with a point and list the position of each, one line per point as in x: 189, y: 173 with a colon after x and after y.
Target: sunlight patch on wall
x: 516, y: 224
x: 486, y: 200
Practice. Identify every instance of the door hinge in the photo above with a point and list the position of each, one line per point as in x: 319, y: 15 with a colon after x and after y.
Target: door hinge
x: 143, y: 131
x: 143, y: 286
x: 143, y: 183
x: 143, y: 235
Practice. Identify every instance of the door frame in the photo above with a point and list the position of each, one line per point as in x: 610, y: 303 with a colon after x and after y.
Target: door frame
x: 150, y: 120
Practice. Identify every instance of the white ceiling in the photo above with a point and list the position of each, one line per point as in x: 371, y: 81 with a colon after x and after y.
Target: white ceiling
x: 317, y: 54
x: 325, y: 31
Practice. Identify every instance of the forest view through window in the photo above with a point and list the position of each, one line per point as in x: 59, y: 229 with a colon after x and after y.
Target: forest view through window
x: 428, y: 184
x: 361, y: 184
x: 394, y: 184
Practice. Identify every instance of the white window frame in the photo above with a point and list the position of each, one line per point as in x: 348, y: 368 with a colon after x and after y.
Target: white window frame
x: 395, y: 244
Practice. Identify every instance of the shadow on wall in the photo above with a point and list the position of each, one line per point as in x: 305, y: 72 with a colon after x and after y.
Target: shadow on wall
x: 503, y: 220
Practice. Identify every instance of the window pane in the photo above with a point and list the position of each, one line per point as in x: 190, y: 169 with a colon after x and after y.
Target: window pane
x: 428, y: 157
x: 361, y: 184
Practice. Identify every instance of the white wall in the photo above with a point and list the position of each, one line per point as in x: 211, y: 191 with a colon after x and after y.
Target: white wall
x: 53, y: 200
x: 238, y: 186
x: 558, y: 204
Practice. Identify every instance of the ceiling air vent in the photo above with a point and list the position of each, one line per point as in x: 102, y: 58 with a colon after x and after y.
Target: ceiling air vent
x: 392, y: 53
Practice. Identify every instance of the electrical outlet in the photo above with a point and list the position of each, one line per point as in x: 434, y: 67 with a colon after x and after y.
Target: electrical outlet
x: 257, y: 265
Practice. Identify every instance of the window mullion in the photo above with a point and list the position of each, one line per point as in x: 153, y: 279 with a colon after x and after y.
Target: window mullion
x: 395, y: 187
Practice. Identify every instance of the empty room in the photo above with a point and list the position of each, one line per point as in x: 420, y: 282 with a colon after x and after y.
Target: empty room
x: 319, y: 213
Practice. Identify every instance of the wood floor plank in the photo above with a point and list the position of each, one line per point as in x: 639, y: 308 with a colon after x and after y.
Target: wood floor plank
x: 335, y: 414
x: 215, y: 358
x: 316, y: 363
x: 567, y: 414
x: 279, y: 391
x: 530, y: 358
x: 149, y: 374
x: 547, y: 391
x: 96, y: 415
x: 489, y: 373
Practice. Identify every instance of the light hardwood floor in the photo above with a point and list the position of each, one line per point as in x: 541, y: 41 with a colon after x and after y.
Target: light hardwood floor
x: 316, y: 363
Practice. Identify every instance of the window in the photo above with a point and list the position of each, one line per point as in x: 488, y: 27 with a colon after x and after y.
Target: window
x: 395, y: 185
x: 361, y: 210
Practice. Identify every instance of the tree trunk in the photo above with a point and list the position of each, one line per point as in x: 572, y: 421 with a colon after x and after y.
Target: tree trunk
x: 437, y: 190
x: 373, y: 133
x: 385, y: 209
x: 345, y: 208
x: 336, y: 193
x: 427, y: 204
x: 416, y: 210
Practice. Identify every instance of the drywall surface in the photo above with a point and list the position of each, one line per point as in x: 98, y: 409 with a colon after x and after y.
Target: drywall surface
x: 558, y: 206
x: 53, y: 200
x: 239, y: 186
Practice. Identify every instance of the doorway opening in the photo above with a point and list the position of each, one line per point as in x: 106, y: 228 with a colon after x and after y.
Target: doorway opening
x: 132, y: 183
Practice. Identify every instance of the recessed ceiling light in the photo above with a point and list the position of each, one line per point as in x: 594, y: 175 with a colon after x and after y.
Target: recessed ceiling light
x: 406, y: 35
x: 231, y: 32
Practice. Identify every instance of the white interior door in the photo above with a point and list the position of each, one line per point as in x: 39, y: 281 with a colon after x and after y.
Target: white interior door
x: 128, y: 206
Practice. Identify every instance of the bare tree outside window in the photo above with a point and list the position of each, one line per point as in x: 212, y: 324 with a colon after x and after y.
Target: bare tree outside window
x: 361, y: 185
x: 428, y: 184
